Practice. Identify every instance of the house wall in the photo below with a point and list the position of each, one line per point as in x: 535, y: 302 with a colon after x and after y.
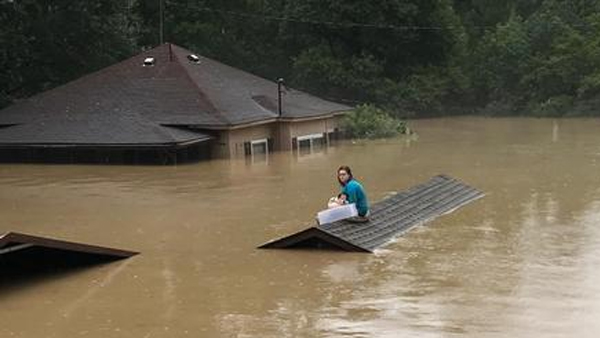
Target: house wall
x: 296, y: 129
x: 237, y: 137
x: 220, y: 148
x: 230, y: 143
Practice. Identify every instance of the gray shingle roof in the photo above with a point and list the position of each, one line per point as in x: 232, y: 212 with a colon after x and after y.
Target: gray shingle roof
x: 13, y: 242
x: 389, y: 218
x: 127, y: 103
x: 242, y: 97
x: 120, y: 130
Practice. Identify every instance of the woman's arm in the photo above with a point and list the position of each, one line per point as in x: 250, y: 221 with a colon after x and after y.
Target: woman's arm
x: 351, y: 190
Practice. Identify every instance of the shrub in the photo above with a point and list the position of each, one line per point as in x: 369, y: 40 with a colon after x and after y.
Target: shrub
x: 368, y: 121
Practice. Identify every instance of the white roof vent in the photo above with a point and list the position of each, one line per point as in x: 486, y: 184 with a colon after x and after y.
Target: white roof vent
x: 194, y: 58
x: 148, y: 62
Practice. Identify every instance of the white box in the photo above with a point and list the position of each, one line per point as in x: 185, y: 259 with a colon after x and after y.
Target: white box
x: 337, y: 213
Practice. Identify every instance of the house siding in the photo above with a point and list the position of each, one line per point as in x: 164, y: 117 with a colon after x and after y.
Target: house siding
x: 322, y: 126
x: 230, y: 143
x: 238, y: 137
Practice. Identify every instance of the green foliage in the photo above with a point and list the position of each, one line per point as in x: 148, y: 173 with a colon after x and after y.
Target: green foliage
x: 554, y: 106
x: 46, y: 43
x: 368, y: 121
x: 318, y: 68
x: 590, y: 86
x: 416, y: 58
x: 544, y: 64
x: 500, y: 107
x: 500, y: 59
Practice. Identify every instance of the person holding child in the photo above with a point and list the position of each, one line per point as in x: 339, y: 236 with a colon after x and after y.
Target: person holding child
x: 352, y: 192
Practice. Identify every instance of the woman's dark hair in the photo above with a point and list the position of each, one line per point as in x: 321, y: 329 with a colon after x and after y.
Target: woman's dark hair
x: 347, y: 170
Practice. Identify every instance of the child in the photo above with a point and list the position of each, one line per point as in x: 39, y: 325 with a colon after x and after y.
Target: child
x: 340, y: 200
x: 338, y: 208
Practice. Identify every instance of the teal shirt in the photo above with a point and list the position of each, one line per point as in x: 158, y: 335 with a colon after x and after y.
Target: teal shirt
x: 356, y: 194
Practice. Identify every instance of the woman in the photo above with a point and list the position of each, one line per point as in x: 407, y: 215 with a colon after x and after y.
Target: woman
x: 354, y: 192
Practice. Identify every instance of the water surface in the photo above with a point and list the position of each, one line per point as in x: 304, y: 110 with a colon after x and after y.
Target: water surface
x: 521, y: 262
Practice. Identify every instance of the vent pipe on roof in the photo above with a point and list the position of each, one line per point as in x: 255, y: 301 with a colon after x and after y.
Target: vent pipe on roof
x: 194, y: 58
x: 280, y: 83
x: 149, y: 62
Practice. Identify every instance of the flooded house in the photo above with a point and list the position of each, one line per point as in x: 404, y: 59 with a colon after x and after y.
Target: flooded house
x: 165, y: 105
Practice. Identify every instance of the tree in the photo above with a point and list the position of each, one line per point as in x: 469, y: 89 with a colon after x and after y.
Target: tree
x: 46, y: 43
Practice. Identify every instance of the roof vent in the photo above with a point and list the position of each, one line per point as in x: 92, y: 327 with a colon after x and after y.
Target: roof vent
x: 194, y: 58
x: 148, y: 62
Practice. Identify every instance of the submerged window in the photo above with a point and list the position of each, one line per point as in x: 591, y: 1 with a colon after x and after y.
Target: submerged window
x: 258, y: 149
x: 308, y: 144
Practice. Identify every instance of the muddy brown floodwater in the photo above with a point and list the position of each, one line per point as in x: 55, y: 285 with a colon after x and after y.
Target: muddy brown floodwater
x: 522, y: 262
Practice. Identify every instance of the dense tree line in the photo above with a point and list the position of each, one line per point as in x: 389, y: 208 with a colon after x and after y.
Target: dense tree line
x: 413, y: 57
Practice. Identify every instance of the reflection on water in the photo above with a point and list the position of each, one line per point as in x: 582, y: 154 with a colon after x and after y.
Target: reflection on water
x: 521, y: 262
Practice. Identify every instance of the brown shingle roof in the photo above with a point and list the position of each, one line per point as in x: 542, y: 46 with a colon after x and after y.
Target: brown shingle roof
x: 128, y: 103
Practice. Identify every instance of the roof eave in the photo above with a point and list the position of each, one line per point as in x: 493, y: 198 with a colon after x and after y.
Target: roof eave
x: 101, y: 145
x: 314, y: 117
x: 234, y: 126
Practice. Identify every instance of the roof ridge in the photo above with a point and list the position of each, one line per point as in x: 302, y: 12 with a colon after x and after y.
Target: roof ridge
x: 290, y: 90
x: 213, y: 109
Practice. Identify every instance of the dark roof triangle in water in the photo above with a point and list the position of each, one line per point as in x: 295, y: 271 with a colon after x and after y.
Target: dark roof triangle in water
x: 313, y: 237
x: 14, y: 242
